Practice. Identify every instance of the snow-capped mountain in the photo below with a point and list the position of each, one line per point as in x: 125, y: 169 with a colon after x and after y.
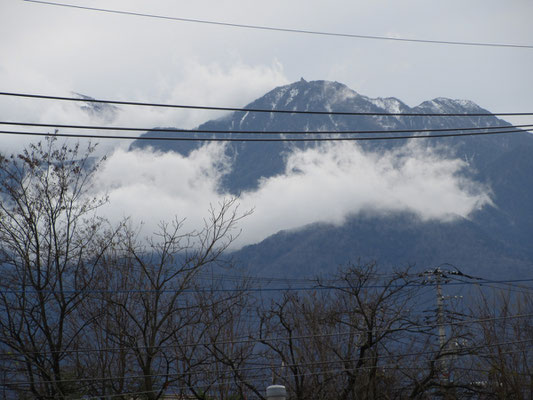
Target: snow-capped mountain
x: 493, y: 240
x: 251, y: 161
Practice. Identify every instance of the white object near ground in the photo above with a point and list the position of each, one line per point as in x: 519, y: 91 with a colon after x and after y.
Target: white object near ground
x: 276, y: 392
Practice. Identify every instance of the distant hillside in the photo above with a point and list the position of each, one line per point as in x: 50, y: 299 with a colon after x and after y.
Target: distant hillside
x: 392, y: 241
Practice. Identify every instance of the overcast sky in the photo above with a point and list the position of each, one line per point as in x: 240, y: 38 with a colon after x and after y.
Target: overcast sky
x: 55, y: 50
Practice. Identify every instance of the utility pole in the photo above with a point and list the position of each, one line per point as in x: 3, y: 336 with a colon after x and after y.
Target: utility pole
x: 440, y: 322
x: 441, y: 276
x: 438, y: 275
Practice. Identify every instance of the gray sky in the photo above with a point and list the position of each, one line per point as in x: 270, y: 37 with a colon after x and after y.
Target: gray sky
x: 55, y: 50
x: 48, y: 49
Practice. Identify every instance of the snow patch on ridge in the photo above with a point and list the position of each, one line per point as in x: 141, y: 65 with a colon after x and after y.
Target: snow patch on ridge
x: 278, y: 94
x: 344, y: 94
x: 444, y: 104
x: 292, y: 94
x: 389, y: 104
x: 467, y: 103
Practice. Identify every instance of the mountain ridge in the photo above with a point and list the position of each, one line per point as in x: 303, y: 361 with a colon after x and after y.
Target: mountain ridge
x: 498, y: 235
x: 314, y: 96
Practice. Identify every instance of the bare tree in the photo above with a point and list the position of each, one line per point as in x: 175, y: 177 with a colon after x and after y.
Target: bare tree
x: 294, y: 331
x: 151, y: 286
x: 87, y: 310
x: 377, y: 310
x: 336, y: 341
x: 502, y: 366
x: 51, y: 244
x: 218, y: 360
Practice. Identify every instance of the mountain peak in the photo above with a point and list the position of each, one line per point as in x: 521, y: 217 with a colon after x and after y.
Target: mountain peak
x: 304, y: 95
x: 335, y: 96
x: 444, y: 104
x: 253, y: 161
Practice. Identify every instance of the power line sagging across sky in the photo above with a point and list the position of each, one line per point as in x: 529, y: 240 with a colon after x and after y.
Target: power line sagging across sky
x: 285, y: 30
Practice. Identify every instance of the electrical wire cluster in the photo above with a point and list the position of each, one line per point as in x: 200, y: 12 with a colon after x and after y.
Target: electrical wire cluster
x: 204, y: 135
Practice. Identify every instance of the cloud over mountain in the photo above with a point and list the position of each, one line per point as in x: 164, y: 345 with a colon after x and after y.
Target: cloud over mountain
x: 325, y: 184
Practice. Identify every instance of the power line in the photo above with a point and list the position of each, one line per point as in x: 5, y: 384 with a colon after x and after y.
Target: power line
x: 259, y: 289
x: 250, y: 340
x: 256, y: 378
x: 513, y: 287
x: 254, y: 132
x: 247, y: 139
x: 504, y: 281
x: 285, y: 30
x: 524, y: 291
x: 306, y: 364
x: 288, y: 281
x: 258, y: 110
x: 262, y: 378
x: 488, y: 371
x: 512, y: 282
